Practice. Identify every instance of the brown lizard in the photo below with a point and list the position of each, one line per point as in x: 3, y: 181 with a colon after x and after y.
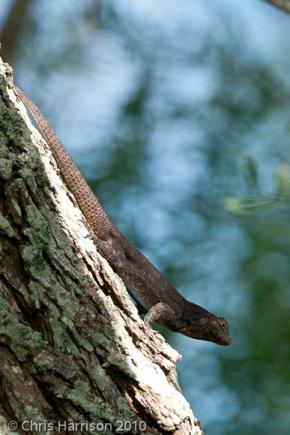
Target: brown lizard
x: 147, y: 285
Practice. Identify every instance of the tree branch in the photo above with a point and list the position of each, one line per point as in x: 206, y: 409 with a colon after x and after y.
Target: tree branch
x: 11, y: 29
x: 281, y: 4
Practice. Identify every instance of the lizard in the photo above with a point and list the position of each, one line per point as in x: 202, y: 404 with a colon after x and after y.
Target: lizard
x: 163, y: 303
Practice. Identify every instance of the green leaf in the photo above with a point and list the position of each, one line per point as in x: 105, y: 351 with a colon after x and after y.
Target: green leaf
x: 249, y: 206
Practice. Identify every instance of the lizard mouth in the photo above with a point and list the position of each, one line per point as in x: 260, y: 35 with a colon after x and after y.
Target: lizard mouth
x: 225, y: 341
x: 221, y: 338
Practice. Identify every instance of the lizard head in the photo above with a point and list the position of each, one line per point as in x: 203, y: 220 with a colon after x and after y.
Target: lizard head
x: 200, y: 324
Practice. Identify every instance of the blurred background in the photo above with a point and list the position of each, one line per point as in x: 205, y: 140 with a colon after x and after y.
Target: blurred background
x: 177, y: 113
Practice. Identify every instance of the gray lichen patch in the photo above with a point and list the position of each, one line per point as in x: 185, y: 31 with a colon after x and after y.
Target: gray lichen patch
x: 44, y: 361
x: 16, y: 149
x: 83, y: 342
x: 28, y: 176
x: 5, y: 227
x: 65, y: 300
x: 125, y: 411
x: 3, y: 142
x: 37, y: 292
x: 40, y: 241
x: 6, y: 166
x: 12, y: 125
x: 82, y: 396
x: 99, y: 409
x: 61, y: 337
x: 34, y: 414
x: 22, y: 338
x: 39, y: 270
x: 100, y: 378
x: 38, y: 231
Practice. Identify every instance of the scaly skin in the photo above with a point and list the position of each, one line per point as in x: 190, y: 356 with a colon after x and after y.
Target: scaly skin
x: 164, y: 304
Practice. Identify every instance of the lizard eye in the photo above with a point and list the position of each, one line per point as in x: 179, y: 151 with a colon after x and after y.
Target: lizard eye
x: 223, y: 322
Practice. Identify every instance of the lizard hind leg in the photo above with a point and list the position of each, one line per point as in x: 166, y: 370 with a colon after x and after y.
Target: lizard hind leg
x: 159, y: 312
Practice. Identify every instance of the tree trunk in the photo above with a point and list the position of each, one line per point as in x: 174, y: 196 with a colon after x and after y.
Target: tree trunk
x: 75, y: 356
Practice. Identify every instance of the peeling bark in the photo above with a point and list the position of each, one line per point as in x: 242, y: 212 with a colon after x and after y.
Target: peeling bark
x: 72, y: 346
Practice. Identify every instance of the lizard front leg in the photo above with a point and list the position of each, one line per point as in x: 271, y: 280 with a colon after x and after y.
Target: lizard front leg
x: 158, y: 312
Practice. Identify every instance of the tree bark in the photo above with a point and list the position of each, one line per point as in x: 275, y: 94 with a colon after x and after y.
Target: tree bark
x: 73, y: 349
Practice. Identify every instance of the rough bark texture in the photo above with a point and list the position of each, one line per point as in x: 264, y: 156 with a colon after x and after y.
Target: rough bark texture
x: 282, y: 4
x: 72, y: 345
